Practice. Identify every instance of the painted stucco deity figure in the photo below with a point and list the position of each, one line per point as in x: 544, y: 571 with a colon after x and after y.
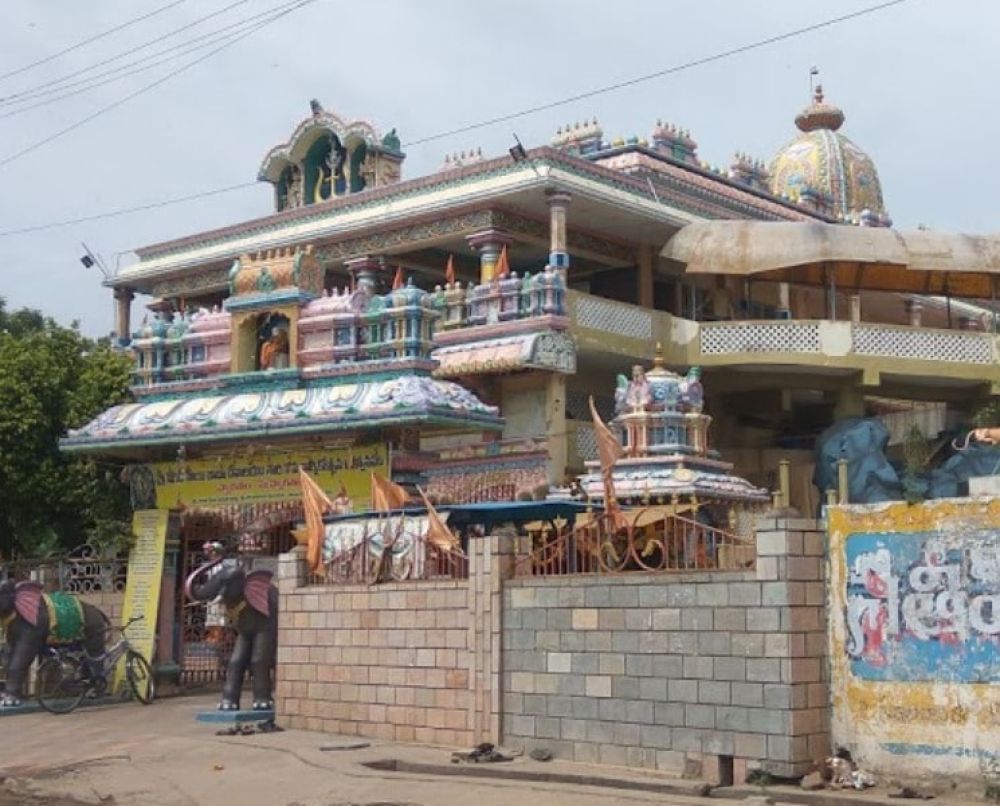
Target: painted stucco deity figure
x: 274, y: 352
x: 293, y: 195
x: 638, y: 396
x: 692, y: 396
x: 342, y: 504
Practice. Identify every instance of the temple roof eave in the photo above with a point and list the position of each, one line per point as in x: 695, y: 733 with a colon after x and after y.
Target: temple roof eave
x: 478, y: 183
x: 403, y: 401
x: 441, y: 418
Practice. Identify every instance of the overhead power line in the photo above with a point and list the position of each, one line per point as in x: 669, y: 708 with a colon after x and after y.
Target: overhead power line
x: 146, y: 88
x: 130, y: 69
x: 122, y: 54
x: 114, y: 213
x: 471, y: 127
x: 725, y: 54
x: 93, y: 38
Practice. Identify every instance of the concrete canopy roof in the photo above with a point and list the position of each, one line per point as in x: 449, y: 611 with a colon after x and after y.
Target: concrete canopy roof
x: 857, y: 258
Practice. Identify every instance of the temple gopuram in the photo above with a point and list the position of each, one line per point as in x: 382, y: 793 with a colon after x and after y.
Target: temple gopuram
x: 446, y: 332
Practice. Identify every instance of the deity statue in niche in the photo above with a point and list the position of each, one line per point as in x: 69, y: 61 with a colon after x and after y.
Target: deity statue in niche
x: 367, y: 171
x: 638, y: 396
x: 272, y: 337
x: 293, y: 187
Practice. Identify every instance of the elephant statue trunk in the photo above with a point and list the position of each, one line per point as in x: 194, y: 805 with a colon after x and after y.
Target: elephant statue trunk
x: 251, y: 602
x: 189, y: 585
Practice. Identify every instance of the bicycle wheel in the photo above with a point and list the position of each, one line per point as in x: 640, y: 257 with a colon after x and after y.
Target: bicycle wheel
x: 140, y: 677
x: 60, y: 684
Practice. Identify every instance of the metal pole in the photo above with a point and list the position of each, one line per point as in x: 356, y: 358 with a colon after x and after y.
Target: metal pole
x: 833, y: 296
x: 947, y: 299
x: 993, y: 301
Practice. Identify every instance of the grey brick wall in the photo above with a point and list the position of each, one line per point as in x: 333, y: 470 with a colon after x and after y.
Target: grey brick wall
x: 673, y: 670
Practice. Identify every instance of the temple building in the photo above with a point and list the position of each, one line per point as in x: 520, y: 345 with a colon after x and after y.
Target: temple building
x: 447, y: 330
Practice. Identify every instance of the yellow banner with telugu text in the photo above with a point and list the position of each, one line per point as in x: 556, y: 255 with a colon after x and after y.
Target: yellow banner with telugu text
x: 268, y: 477
x: 142, y: 586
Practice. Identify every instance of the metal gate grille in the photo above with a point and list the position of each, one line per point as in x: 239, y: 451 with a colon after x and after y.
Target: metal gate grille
x: 264, y: 531
x: 203, y: 650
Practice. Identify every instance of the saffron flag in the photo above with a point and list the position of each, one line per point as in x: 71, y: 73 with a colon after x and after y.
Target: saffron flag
x: 609, y: 450
x: 314, y: 503
x: 398, y: 281
x: 386, y: 495
x: 503, y: 264
x: 449, y: 271
x: 438, y: 533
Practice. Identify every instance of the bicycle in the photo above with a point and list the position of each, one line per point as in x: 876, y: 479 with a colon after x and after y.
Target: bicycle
x: 68, y: 675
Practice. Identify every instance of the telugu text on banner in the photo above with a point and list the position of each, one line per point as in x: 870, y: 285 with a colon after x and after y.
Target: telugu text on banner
x: 145, y: 573
x: 268, y: 477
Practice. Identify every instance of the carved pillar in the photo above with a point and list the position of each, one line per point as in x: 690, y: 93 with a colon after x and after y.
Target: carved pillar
x: 488, y: 244
x: 914, y: 312
x: 646, y: 263
x: 123, y: 314
x: 558, y: 252
x: 367, y: 272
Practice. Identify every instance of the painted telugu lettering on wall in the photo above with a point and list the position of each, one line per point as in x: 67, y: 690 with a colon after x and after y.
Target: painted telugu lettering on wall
x: 267, y: 477
x: 924, y: 606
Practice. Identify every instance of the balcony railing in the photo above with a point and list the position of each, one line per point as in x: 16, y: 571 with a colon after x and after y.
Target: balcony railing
x: 841, y: 339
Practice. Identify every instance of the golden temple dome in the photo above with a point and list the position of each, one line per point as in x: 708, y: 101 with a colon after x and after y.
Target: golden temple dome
x: 823, y: 168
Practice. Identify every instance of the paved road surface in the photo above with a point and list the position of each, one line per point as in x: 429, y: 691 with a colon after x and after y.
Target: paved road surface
x: 128, y: 754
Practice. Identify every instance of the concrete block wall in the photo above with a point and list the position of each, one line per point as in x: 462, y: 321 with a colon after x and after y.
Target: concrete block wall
x: 720, y: 672
x: 409, y: 661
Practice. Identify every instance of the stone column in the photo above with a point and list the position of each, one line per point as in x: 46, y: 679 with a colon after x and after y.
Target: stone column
x: 914, y: 312
x: 123, y: 313
x: 367, y: 272
x: 491, y: 561
x: 488, y: 244
x: 558, y: 252
x: 784, y: 302
x: 855, y: 300
x: 645, y: 266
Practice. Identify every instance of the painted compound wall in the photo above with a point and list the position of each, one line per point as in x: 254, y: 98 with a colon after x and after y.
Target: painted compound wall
x: 915, y: 635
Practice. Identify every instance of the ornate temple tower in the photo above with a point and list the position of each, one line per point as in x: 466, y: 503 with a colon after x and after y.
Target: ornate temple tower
x: 824, y: 169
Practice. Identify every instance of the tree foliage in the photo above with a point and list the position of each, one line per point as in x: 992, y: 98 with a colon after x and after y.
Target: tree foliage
x: 52, y: 379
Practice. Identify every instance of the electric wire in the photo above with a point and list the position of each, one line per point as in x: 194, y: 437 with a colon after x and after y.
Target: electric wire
x: 65, y: 82
x: 147, y: 87
x: 658, y: 74
x: 441, y: 135
x: 87, y: 41
x: 114, y: 213
x: 130, y: 69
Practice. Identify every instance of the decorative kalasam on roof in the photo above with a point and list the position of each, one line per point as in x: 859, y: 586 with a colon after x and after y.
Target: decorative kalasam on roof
x: 823, y: 169
x: 664, y: 432
x: 579, y: 138
x: 328, y: 156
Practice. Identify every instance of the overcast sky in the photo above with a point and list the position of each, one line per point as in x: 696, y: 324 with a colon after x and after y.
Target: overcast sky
x: 917, y: 82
